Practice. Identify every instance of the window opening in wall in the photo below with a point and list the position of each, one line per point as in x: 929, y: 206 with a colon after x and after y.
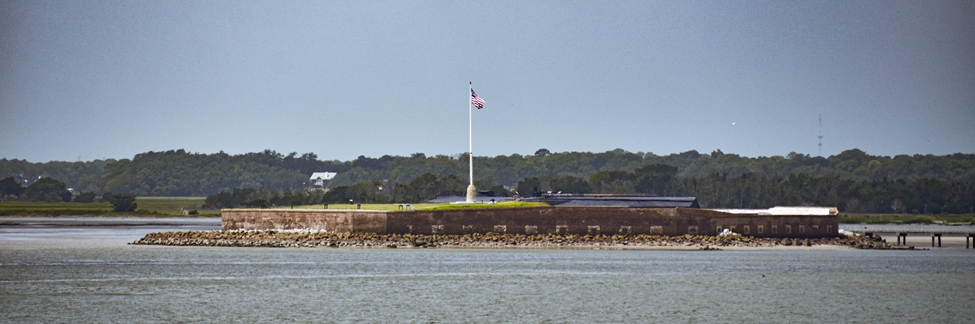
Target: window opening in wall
x: 761, y: 229
x: 746, y: 229
x: 829, y: 228
x: 775, y: 229
x: 692, y: 230
x: 593, y: 229
x: 625, y: 230
x: 788, y: 229
x: 656, y: 230
x: 437, y: 229
x: 719, y: 228
x: 815, y: 228
x: 500, y: 228
x: 409, y: 229
x: 531, y: 229
x: 468, y: 229
x: 802, y: 229
x: 562, y: 229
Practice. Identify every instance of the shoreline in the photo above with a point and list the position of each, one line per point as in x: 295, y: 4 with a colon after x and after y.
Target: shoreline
x: 106, y: 221
x: 294, y: 239
x: 23, y: 226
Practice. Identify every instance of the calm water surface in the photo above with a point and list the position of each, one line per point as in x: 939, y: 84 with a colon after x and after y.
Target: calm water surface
x: 89, y: 274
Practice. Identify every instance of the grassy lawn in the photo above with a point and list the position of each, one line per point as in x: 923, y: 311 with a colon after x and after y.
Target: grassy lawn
x: 147, y: 206
x: 25, y: 208
x: 422, y: 206
x: 172, y: 204
x: 906, y: 219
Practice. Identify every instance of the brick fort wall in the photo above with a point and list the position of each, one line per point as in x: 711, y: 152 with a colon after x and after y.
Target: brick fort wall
x: 537, y: 220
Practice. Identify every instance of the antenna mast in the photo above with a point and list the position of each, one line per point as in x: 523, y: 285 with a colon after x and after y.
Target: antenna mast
x: 820, y: 135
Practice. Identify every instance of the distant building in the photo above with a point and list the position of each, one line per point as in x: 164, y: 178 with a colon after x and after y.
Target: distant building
x: 318, y: 178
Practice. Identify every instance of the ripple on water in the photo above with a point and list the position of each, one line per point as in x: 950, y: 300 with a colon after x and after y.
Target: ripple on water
x: 121, y: 283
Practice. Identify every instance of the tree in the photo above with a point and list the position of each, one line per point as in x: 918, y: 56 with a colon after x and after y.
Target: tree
x: 85, y: 197
x: 422, y: 188
x: 529, y: 187
x: 570, y: 184
x: 543, y: 152
x: 108, y: 196
x: 656, y: 179
x: 124, y: 203
x: 218, y: 200
x: 10, y: 187
x: 47, y: 189
x: 614, y: 182
x: 499, y: 191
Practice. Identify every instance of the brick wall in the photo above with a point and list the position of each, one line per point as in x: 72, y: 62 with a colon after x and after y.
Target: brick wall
x: 540, y: 220
x: 711, y: 222
x: 345, y: 221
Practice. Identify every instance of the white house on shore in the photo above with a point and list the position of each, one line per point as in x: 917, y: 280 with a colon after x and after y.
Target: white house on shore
x: 318, y: 178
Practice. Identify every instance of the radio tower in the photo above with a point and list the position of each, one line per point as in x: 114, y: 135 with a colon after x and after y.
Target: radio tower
x: 820, y: 135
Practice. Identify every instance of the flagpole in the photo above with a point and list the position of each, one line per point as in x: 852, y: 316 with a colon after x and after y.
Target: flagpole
x: 471, y: 191
x: 470, y: 128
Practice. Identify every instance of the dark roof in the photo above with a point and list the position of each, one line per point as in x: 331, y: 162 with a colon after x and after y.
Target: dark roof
x: 617, y: 201
x: 446, y: 199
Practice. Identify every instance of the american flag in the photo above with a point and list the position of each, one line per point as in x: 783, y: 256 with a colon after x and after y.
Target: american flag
x: 476, y: 101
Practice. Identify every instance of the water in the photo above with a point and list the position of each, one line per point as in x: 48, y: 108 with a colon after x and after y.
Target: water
x: 883, y: 228
x: 88, y: 274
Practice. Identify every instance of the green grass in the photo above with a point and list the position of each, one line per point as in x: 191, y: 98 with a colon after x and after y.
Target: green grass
x: 24, y: 208
x: 172, y: 205
x: 147, y: 206
x: 906, y: 219
x: 421, y: 206
x: 506, y: 204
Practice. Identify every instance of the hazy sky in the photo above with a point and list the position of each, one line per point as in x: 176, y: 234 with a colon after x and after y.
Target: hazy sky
x: 109, y: 79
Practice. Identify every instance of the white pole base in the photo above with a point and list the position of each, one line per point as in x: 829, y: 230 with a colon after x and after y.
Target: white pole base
x: 471, y: 193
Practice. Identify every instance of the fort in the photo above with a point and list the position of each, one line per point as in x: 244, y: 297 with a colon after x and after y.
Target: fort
x: 784, y: 222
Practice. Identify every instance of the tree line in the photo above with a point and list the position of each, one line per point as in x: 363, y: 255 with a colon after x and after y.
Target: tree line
x: 423, y: 188
x: 852, y: 180
x: 47, y: 189
x: 716, y: 190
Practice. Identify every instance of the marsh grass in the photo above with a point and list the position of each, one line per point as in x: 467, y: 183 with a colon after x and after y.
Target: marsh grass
x: 26, y: 208
x: 171, y: 204
x: 147, y: 206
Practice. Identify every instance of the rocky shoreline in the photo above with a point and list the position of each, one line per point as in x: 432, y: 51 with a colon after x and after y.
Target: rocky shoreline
x: 492, y: 240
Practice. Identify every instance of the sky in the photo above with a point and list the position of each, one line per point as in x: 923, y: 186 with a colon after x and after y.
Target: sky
x: 84, y: 80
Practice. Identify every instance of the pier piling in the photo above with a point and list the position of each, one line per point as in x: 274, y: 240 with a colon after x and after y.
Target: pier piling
x: 938, y: 235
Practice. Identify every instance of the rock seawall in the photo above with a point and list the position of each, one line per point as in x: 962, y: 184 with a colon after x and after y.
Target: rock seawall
x: 491, y: 240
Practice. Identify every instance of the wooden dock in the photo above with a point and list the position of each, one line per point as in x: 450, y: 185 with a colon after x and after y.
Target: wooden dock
x: 934, y: 234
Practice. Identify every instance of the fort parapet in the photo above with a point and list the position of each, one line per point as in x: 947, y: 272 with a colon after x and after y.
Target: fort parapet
x: 807, y: 222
